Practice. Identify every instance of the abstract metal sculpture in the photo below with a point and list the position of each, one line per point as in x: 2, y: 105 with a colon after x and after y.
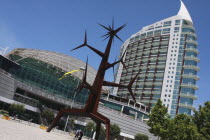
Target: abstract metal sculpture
x: 92, y: 103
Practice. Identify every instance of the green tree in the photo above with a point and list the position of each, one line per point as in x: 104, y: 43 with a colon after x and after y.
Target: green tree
x: 202, y: 120
x: 159, y: 121
x: 114, y: 131
x: 71, y: 123
x: 48, y: 116
x: 16, y: 109
x: 90, y: 128
x: 183, y: 128
x: 141, y: 137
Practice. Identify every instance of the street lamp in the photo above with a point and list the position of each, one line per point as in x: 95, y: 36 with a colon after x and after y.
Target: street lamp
x: 81, y: 69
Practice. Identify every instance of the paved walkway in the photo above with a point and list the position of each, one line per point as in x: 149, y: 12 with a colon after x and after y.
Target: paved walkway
x: 12, y: 130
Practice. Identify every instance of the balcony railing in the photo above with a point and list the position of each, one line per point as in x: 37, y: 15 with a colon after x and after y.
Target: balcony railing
x: 192, y: 58
x: 192, y: 41
x: 191, y: 76
x: 190, y: 33
x: 192, y: 49
x: 191, y: 96
x: 188, y: 106
x: 190, y: 86
x: 191, y: 67
x: 188, y: 26
x: 148, y: 101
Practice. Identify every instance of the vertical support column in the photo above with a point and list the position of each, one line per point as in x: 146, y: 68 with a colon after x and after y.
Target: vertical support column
x: 128, y: 102
x: 108, y: 130
x: 107, y: 97
x: 122, y: 109
x: 136, y: 115
x: 98, y: 127
x: 142, y: 118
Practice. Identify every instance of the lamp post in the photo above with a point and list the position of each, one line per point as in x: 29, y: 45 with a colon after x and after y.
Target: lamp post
x: 82, y: 69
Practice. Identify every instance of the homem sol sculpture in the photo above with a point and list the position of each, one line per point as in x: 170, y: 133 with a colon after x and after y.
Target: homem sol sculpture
x: 92, y: 103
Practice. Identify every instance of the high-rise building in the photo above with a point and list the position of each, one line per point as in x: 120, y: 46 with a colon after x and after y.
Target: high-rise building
x: 165, y: 56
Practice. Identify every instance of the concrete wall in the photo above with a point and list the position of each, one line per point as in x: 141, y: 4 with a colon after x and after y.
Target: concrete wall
x: 7, y: 86
x: 127, y: 125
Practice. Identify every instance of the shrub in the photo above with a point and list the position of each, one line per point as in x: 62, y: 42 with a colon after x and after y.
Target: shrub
x: 141, y: 137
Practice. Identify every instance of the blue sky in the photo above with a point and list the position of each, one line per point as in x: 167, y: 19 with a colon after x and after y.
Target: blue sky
x: 59, y: 25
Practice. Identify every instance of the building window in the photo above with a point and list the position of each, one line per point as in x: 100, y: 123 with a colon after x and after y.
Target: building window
x: 150, y: 33
x: 167, y: 23
x: 177, y: 22
x: 176, y: 29
x: 157, y: 32
x: 166, y: 31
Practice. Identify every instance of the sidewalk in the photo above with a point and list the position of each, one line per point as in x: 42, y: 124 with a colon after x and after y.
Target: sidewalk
x: 15, y: 130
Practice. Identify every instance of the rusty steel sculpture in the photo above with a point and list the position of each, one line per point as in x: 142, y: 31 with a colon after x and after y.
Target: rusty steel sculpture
x: 91, y: 107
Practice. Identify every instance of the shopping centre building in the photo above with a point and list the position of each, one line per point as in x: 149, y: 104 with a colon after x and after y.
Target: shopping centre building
x: 30, y: 77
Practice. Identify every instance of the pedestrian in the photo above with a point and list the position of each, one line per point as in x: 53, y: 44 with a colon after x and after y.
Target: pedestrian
x: 77, y: 134
x: 80, y: 135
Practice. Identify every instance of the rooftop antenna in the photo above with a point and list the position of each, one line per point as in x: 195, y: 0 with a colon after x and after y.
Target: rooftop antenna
x: 3, y: 50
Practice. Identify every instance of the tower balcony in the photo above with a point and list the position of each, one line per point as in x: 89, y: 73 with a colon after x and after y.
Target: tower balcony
x: 188, y: 106
x: 192, y: 58
x: 189, y: 86
x: 191, y: 96
x: 190, y: 33
x: 148, y: 101
x: 192, y: 41
x: 161, y: 58
x: 192, y: 50
x: 188, y: 26
x: 191, y: 67
x: 192, y: 76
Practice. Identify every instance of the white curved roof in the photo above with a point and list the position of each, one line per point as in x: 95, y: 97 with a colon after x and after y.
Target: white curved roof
x: 183, y: 12
x: 62, y: 61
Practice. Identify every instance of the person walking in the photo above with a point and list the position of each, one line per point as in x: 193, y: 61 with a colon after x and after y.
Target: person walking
x: 80, y: 135
x: 77, y: 134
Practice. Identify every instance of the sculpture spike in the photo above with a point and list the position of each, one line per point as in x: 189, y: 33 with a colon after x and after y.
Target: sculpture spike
x: 113, y: 23
x: 120, y: 28
x: 84, y: 44
x: 104, y: 27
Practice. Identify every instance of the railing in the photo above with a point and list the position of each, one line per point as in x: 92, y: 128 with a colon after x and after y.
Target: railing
x: 188, y: 26
x: 192, y: 58
x: 195, y: 87
x: 189, y: 106
x: 191, y: 96
x: 192, y: 49
x: 192, y: 67
x: 190, y: 33
x: 192, y: 41
x: 191, y: 76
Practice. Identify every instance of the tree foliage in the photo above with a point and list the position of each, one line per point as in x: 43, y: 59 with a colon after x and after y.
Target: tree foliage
x: 159, y: 120
x: 114, y: 131
x: 141, y: 137
x: 16, y: 109
x: 90, y: 126
x: 202, y: 120
x: 71, y: 123
x: 48, y: 116
x: 182, y: 126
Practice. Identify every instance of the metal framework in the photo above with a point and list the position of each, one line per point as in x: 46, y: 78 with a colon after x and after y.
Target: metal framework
x: 92, y: 103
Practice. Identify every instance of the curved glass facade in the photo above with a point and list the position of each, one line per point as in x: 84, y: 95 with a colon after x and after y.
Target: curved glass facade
x: 45, y: 76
